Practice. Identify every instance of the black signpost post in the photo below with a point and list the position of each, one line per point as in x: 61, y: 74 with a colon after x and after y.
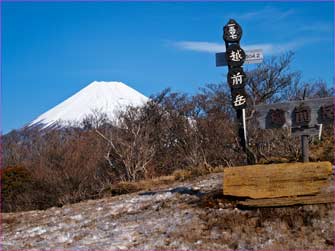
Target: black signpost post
x: 234, y: 58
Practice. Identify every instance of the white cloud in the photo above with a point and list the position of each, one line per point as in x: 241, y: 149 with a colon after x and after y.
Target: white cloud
x: 317, y: 27
x: 200, y: 46
x: 267, y: 13
x: 268, y: 48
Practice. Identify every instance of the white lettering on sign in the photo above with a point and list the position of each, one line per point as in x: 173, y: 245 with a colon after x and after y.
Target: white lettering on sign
x: 254, y: 56
x: 232, y: 31
x: 236, y: 56
x: 239, y: 100
x: 237, y: 79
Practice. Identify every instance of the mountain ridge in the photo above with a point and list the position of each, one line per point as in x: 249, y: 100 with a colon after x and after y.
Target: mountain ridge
x: 107, y: 97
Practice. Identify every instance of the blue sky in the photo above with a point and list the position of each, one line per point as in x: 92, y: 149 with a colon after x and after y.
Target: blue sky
x: 52, y: 50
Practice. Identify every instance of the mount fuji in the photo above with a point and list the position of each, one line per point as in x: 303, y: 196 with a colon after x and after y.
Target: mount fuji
x: 105, y: 97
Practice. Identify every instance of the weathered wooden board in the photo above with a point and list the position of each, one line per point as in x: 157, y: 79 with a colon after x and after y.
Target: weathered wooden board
x: 262, y: 112
x: 312, y: 131
x: 289, y: 201
x: 252, y: 57
x: 277, y: 180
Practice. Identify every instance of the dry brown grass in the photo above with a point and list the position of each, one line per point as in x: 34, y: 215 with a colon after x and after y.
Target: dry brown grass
x: 125, y: 187
x: 300, y: 226
x: 182, y: 174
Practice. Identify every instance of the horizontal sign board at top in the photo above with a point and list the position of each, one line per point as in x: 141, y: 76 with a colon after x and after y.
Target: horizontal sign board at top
x: 312, y: 131
x: 321, y: 112
x: 252, y: 57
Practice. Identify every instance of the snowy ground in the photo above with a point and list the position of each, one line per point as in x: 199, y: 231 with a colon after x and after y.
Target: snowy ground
x: 186, y: 215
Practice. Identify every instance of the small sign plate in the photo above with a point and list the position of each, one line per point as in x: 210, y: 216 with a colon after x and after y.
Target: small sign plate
x: 252, y: 57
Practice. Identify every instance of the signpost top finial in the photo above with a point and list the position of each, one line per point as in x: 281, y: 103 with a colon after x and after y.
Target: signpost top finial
x: 232, y: 31
x: 231, y: 21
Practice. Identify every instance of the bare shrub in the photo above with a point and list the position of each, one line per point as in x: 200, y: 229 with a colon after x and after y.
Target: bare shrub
x: 216, y: 128
x: 171, y: 132
x: 130, y: 151
x: 271, y: 80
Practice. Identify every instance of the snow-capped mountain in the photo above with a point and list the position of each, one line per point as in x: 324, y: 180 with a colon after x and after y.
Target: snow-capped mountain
x: 105, y: 97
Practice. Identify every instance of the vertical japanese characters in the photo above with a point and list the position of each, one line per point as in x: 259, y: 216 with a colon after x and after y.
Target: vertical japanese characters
x: 235, y: 56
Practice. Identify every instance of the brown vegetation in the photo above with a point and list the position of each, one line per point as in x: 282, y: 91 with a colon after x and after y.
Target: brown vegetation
x: 171, y: 132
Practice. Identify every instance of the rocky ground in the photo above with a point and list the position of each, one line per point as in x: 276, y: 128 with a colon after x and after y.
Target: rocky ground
x: 185, y: 215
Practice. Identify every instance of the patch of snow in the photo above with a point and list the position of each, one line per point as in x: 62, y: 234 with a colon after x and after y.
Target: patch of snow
x: 63, y: 238
x: 77, y: 217
x: 36, y: 231
x: 104, y: 97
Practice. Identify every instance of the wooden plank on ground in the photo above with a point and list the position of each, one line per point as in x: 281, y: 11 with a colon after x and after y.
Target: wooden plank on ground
x: 289, y: 201
x: 277, y: 180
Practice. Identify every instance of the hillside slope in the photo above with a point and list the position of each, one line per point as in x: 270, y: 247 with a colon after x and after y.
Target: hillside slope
x: 99, y: 96
x: 185, y: 215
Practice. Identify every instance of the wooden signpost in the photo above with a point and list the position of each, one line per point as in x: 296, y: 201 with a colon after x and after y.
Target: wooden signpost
x: 277, y: 184
x: 234, y: 58
x: 304, y: 118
